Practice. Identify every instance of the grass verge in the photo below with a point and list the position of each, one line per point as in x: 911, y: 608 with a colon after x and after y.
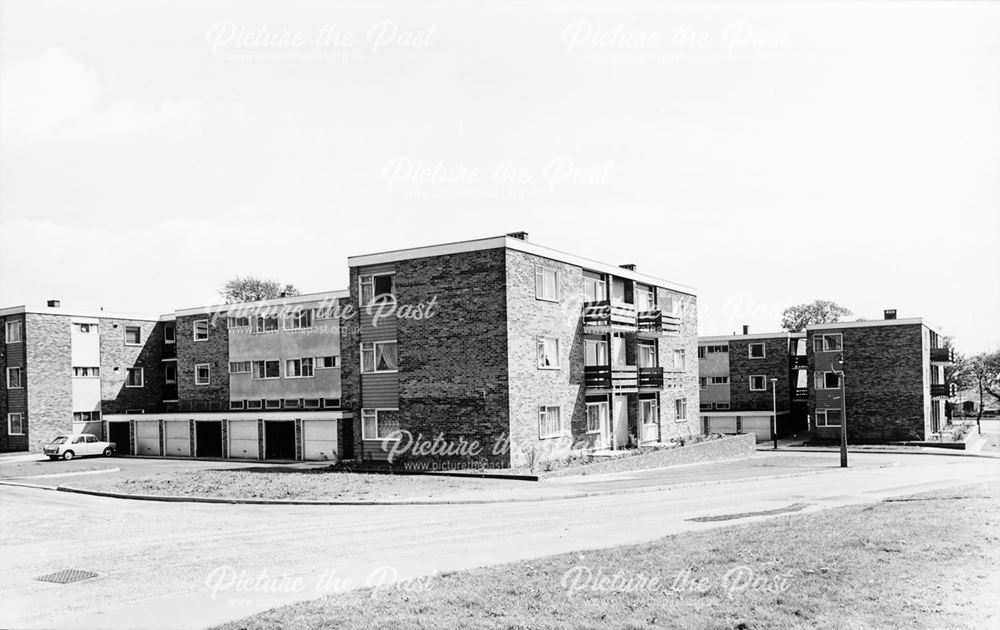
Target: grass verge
x: 929, y: 561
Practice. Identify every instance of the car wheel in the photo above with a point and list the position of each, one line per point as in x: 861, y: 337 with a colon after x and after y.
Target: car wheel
x: 108, y: 452
x: 68, y: 455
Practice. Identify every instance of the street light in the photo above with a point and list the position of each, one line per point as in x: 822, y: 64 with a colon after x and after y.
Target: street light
x: 843, y: 411
x: 774, y: 409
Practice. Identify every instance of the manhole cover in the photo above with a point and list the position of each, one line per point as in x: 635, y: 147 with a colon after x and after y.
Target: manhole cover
x: 66, y: 576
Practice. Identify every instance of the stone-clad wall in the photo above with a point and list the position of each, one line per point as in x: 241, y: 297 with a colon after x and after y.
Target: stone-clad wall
x: 687, y: 382
x: 775, y: 364
x: 49, y: 378
x: 116, y: 357
x: 214, y: 351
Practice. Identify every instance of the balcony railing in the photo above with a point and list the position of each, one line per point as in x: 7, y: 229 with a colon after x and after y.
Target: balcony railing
x: 616, y: 378
x: 608, y: 315
x: 939, y: 390
x: 799, y: 361
x: 800, y: 393
x: 651, y: 377
x: 657, y: 321
x: 942, y: 355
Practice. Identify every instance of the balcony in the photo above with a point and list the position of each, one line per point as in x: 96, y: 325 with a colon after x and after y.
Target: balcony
x: 651, y: 377
x: 604, y: 316
x: 800, y: 393
x: 658, y: 322
x: 799, y: 361
x: 939, y: 390
x: 942, y: 355
x: 620, y: 378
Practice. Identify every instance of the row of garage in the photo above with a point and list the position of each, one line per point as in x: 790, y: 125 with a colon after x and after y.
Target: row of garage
x: 275, y: 436
x: 748, y: 422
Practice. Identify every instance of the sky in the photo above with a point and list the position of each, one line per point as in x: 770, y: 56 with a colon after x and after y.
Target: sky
x: 769, y: 154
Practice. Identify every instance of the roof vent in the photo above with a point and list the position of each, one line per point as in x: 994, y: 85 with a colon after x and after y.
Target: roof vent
x: 629, y: 266
x: 521, y: 236
x: 889, y: 313
x: 54, y: 303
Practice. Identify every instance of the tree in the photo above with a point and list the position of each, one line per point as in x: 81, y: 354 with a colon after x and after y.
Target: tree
x: 985, y: 373
x: 250, y: 289
x: 796, y: 318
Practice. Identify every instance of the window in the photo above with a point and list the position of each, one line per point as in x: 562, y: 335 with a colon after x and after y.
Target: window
x: 546, y: 284
x: 723, y: 349
x: 133, y: 377
x: 265, y: 324
x: 299, y: 320
x: 290, y: 403
x: 169, y: 333
x: 15, y: 331
x: 331, y: 403
x: 169, y: 373
x: 86, y: 372
x: 236, y: 404
x: 201, y: 329
x: 595, y: 352
x: 722, y: 406
x: 254, y: 404
x: 647, y: 354
x: 549, y: 422
x: 701, y: 351
x: 548, y: 353
x: 597, y: 416
x: 84, y: 329
x: 720, y: 380
x: 377, y: 288
x: 133, y: 336
x: 325, y: 363
x: 239, y: 367
x: 679, y: 360
x: 378, y: 424
x: 379, y: 356
x: 703, y: 382
x: 266, y: 369
x: 828, y: 343
x: 15, y: 424
x: 828, y: 417
x: 649, y: 412
x: 272, y: 404
x: 681, y: 409
x: 645, y: 299
x: 310, y: 403
x: 202, y: 374
x: 299, y: 368
x: 239, y: 323
x: 86, y: 416
x: 15, y: 378
x: 757, y: 351
x: 594, y: 288
x: 758, y: 383
x: 827, y: 380
x: 327, y: 312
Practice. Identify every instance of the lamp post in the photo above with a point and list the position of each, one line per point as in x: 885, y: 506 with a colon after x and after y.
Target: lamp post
x: 774, y: 412
x: 843, y: 413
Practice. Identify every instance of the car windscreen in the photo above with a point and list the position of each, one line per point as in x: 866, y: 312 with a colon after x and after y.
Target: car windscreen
x: 59, y: 440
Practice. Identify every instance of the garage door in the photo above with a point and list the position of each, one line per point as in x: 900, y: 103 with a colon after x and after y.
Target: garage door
x: 243, y: 439
x: 147, y: 437
x: 721, y: 424
x: 178, y: 437
x: 319, y: 439
x: 759, y: 426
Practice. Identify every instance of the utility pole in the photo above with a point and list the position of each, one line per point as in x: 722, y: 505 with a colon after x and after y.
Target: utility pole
x: 843, y: 413
x: 774, y: 411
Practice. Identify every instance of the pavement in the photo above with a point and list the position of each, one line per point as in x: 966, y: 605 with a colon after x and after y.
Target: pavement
x: 184, y: 565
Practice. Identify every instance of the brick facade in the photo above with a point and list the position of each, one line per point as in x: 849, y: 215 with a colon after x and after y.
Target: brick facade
x: 774, y: 364
x: 49, y: 378
x: 117, y: 358
x: 214, y: 351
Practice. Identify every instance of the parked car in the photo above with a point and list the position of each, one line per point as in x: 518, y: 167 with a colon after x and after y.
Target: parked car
x: 70, y: 446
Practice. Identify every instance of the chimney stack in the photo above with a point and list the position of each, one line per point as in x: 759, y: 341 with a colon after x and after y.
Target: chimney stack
x: 746, y: 329
x: 54, y: 303
x: 889, y: 313
x: 629, y: 266
x: 521, y: 236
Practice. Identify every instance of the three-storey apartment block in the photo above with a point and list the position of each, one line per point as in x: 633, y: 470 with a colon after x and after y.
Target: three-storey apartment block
x: 522, y: 350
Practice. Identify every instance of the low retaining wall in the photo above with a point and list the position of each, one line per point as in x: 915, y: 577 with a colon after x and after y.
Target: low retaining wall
x: 730, y: 447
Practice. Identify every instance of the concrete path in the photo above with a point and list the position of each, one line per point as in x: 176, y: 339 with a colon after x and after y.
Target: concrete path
x: 166, y: 565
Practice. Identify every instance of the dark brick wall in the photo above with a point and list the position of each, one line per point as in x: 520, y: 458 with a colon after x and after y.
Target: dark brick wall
x: 14, y: 401
x: 116, y: 357
x: 214, y: 351
x: 885, y: 370
x: 775, y: 364
x: 49, y: 378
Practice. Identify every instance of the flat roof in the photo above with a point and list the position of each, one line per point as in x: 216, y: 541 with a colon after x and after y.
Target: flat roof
x: 281, y: 301
x: 867, y: 324
x: 737, y: 337
x: 74, y: 312
x: 508, y: 242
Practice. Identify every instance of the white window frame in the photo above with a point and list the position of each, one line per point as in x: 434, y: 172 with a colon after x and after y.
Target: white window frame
x: 820, y: 341
x: 264, y: 362
x: 310, y: 403
x: 258, y: 324
x: 763, y: 379
x: 318, y: 362
x: 19, y: 327
x: 194, y: 329
x: 369, y: 279
x: 680, y: 410
x: 825, y: 422
x: 702, y: 382
x: 236, y: 404
x: 234, y: 323
x: 142, y: 377
x: 602, y: 415
x: 599, y: 343
x: 763, y: 350
x: 724, y: 381
x: 600, y: 284
x: 254, y: 404
x: 374, y: 350
x: 366, y: 414
x: 166, y: 378
x: 241, y: 367
x: 198, y: 366
x: 172, y: 338
x: 20, y: 422
x: 543, y: 411
x: 271, y: 403
x: 86, y: 371
x: 722, y: 406
x: 20, y: 377
x: 819, y: 382
x: 294, y: 320
x: 137, y: 329
x: 654, y: 355
x: 649, y: 407
x: 702, y: 351
x: 683, y: 360
x: 540, y: 271
x: 300, y: 367
x: 540, y: 348
x: 79, y: 326
x: 650, y: 294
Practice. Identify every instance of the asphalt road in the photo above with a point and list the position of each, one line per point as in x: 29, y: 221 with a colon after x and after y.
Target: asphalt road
x: 182, y: 565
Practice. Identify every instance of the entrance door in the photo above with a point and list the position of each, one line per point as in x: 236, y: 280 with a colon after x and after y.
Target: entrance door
x: 620, y: 411
x: 279, y: 439
x: 208, y: 438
